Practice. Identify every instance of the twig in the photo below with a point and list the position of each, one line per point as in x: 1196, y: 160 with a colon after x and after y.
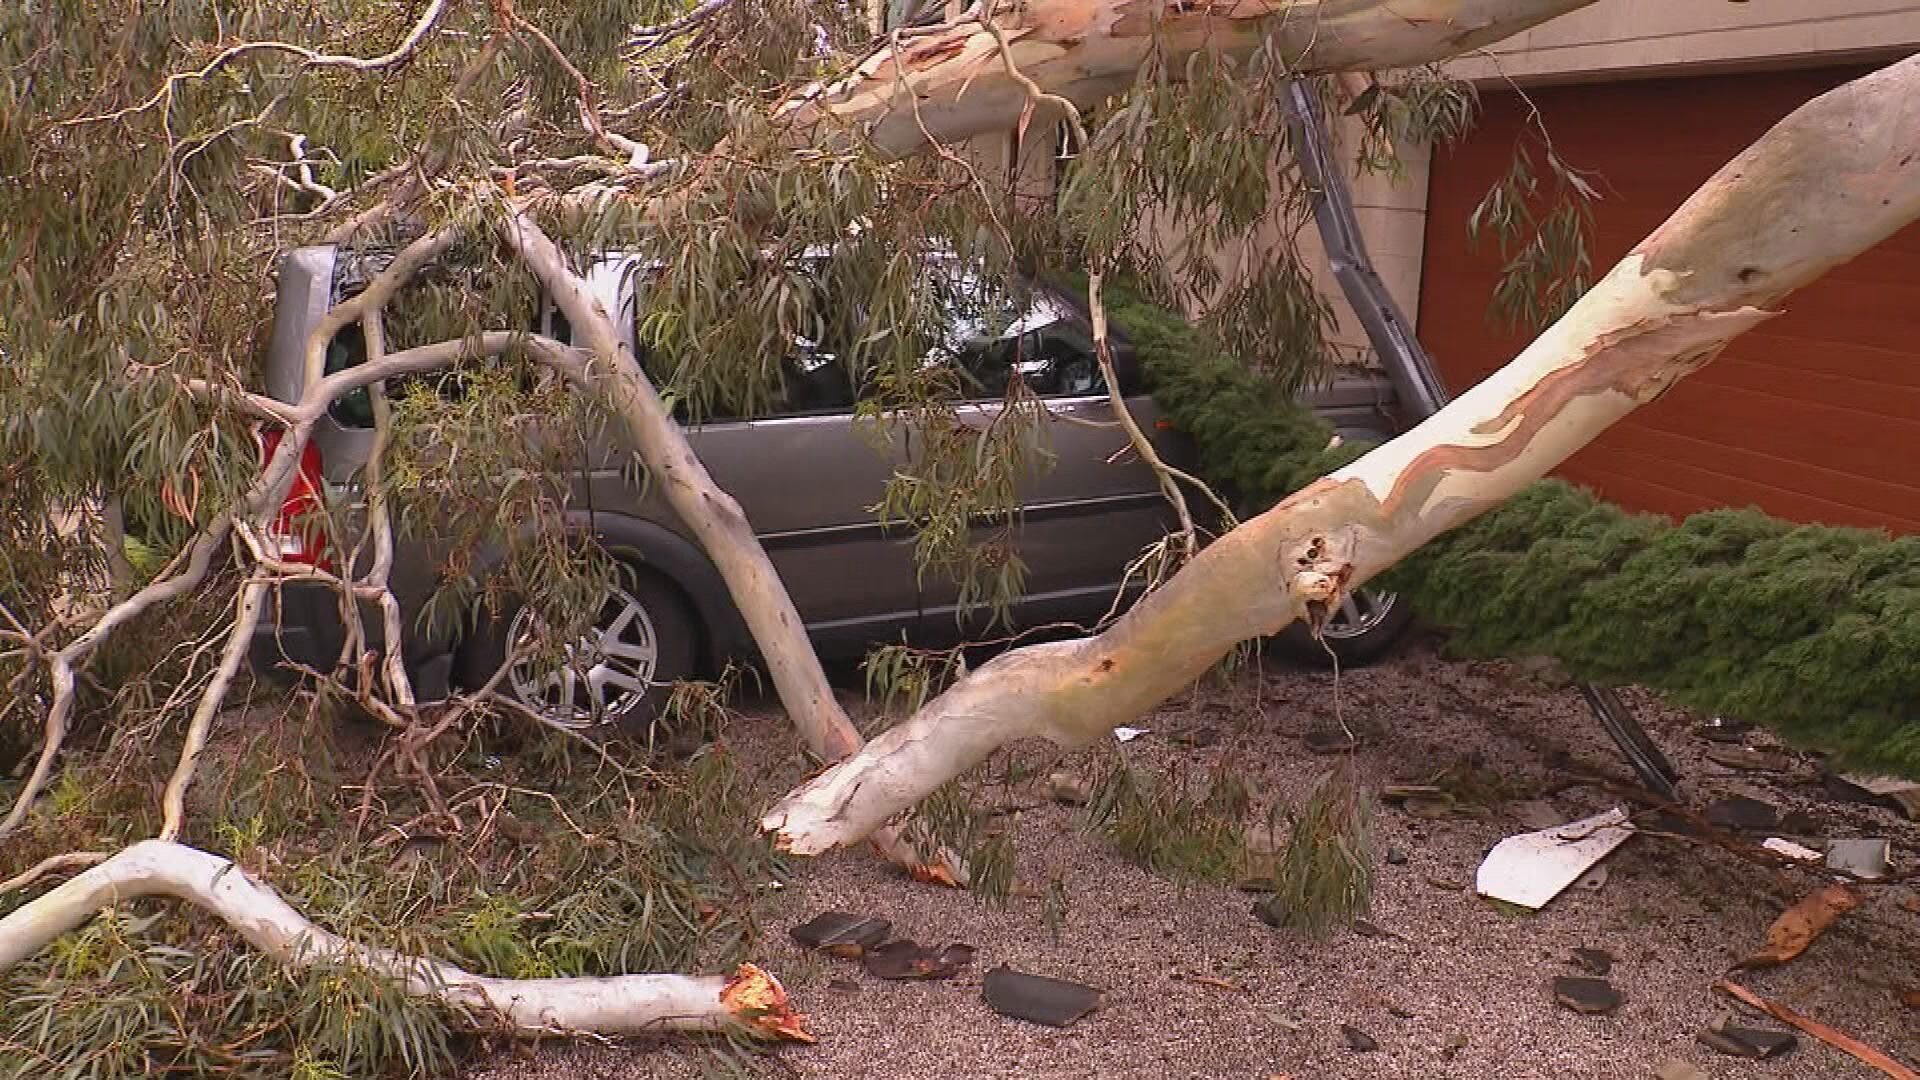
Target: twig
x: 1839, y: 1040
x: 1035, y: 95
x: 53, y: 864
x: 1143, y: 446
x: 941, y: 149
x: 257, y: 406
x: 309, y: 58
x: 583, y: 90
x: 414, y: 171
x: 373, y: 328
x: 173, y: 800
x: 648, y: 38
x: 1167, y: 475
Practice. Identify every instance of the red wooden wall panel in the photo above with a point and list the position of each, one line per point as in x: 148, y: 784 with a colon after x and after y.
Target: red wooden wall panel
x: 1814, y: 416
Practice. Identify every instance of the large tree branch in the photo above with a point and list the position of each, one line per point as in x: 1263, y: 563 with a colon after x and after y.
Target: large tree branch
x: 717, y: 522
x: 1828, y: 182
x: 1087, y: 51
x: 750, y: 1001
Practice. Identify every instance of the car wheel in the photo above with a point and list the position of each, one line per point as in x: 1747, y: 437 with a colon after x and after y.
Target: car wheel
x: 615, y: 677
x: 1361, y: 630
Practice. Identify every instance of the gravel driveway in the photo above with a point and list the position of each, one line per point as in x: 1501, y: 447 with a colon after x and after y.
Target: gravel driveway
x: 1455, y: 987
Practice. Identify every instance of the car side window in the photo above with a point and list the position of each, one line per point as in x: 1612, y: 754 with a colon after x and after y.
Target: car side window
x: 348, y: 349
x: 813, y: 381
x: 1031, y: 336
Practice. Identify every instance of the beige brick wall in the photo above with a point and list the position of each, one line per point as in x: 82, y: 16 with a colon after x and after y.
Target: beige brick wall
x: 1392, y: 217
x: 1393, y: 221
x: 1630, y: 38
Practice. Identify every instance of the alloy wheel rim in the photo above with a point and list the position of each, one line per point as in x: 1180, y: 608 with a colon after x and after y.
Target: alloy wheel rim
x: 1360, y: 611
x: 603, y: 674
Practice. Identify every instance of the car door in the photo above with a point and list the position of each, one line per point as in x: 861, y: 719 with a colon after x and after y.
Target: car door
x: 1092, y: 511
x: 807, y: 478
x: 808, y: 482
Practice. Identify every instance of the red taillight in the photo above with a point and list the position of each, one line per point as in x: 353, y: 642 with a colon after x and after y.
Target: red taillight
x: 296, y: 528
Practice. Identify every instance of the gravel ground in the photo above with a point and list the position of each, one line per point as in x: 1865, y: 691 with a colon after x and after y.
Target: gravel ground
x: 1675, y: 916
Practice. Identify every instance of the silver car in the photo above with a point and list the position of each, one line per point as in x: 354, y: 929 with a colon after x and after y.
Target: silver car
x: 808, y: 478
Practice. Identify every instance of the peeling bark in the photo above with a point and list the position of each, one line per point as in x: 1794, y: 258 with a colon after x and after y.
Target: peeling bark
x: 750, y: 1001
x: 1826, y: 183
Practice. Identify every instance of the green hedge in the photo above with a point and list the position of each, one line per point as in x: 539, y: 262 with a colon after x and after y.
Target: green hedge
x: 1809, y: 630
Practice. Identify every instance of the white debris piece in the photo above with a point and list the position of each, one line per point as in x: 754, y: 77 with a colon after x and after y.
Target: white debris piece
x: 1791, y: 850
x: 1532, y: 868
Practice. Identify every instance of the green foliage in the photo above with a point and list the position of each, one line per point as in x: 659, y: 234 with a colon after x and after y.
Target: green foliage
x: 1325, y: 874
x: 905, y: 678
x: 953, y: 819
x: 583, y: 875
x: 1169, y: 828
x: 960, y: 491
x: 143, y: 995
x: 481, y: 469
x: 1199, y: 158
x: 1810, y: 630
x: 1419, y: 107
x: 1541, y: 226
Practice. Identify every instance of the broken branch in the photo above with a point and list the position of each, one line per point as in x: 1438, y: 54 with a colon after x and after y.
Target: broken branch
x: 1839, y: 1040
x: 750, y: 1001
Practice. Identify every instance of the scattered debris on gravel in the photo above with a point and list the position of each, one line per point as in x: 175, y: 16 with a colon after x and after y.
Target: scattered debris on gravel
x: 1448, y: 984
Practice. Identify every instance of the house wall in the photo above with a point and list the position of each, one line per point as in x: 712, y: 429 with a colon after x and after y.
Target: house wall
x: 1613, y: 39
x: 1814, y: 416
x: 1633, y: 38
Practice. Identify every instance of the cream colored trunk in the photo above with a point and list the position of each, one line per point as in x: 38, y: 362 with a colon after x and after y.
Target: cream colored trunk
x: 1090, y: 50
x: 1827, y: 183
x: 748, y: 1002
x: 718, y: 522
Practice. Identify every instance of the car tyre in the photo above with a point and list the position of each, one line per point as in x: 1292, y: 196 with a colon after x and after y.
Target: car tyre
x: 1363, y: 629
x: 644, y: 639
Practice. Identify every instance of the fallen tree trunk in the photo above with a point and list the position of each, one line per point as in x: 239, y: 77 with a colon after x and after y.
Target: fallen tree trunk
x: 749, y: 1001
x: 721, y: 527
x: 1829, y: 643
x: 945, y: 85
x: 1829, y: 181
x: 1090, y: 50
